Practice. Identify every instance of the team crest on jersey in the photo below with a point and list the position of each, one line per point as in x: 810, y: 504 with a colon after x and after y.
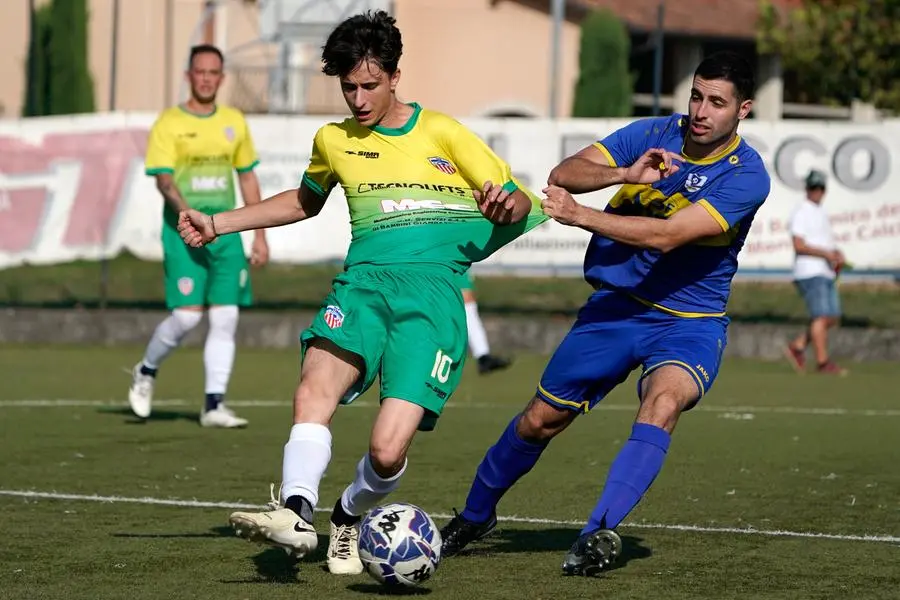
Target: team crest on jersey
x: 334, y: 316
x: 185, y: 286
x: 442, y: 164
x: 229, y: 134
x: 694, y: 182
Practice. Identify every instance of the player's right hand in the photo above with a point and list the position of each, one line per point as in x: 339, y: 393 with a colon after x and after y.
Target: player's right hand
x: 196, y: 228
x: 653, y: 165
x: 495, y: 203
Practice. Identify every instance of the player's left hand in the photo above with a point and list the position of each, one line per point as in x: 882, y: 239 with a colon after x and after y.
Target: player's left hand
x: 259, y: 252
x: 495, y: 203
x: 560, y: 205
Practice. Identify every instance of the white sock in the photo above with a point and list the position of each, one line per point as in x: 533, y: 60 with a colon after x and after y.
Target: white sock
x: 218, y: 353
x: 478, y: 342
x: 368, y: 489
x: 168, y: 335
x: 306, y: 456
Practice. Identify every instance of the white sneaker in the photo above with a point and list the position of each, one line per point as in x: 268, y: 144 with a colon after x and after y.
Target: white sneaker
x: 279, y: 526
x: 343, y: 550
x: 140, y: 394
x: 221, y: 417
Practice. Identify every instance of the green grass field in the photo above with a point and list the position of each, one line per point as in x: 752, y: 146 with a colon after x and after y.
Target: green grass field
x: 133, y: 282
x: 769, y: 490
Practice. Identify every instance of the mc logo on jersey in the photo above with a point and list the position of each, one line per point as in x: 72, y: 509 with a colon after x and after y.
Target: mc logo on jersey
x: 334, y: 316
x: 209, y: 184
x: 694, y: 182
x: 389, y: 206
x: 442, y: 164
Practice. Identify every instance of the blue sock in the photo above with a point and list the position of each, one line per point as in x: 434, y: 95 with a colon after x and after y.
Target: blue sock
x: 504, y: 464
x: 630, y: 476
x: 213, y: 401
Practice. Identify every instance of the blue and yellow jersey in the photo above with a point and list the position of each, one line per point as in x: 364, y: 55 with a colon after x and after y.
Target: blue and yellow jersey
x: 693, y: 280
x: 201, y: 152
x: 409, y: 190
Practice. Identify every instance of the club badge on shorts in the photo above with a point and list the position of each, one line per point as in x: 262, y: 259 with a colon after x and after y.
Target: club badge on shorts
x: 185, y: 286
x: 333, y: 316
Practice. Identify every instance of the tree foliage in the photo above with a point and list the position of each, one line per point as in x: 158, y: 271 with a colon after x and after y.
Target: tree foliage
x: 37, y: 88
x: 604, y: 87
x: 58, y: 77
x: 838, y: 50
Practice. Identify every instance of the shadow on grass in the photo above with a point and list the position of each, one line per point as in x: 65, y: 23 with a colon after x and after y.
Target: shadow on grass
x: 557, y: 540
x: 156, y: 415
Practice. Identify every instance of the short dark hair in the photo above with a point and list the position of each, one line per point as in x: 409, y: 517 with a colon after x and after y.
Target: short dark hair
x: 732, y: 67
x: 205, y: 49
x: 370, y: 35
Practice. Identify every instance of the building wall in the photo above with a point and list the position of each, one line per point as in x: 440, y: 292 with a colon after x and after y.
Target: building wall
x: 466, y: 57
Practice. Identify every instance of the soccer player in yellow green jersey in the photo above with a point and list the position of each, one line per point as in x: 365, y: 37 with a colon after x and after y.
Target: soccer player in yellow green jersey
x: 427, y: 198
x: 193, y: 151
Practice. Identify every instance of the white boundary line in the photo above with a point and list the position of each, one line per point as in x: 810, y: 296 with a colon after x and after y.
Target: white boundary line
x: 889, y: 539
x: 792, y: 410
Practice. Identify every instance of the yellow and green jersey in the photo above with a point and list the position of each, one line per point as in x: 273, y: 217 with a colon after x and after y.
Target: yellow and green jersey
x: 201, y: 151
x: 409, y: 190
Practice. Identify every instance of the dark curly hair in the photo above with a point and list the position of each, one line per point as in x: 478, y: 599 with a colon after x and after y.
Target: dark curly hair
x: 370, y: 35
x: 732, y: 67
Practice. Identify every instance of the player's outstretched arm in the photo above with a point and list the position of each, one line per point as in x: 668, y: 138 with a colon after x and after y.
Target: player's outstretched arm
x: 198, y: 229
x: 589, y: 170
x: 586, y: 171
x: 663, y: 235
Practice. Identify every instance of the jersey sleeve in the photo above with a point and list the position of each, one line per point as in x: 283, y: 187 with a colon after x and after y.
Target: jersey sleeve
x: 624, y: 146
x: 476, y: 161
x: 739, y: 195
x: 245, y: 158
x: 161, y: 150
x: 319, y: 176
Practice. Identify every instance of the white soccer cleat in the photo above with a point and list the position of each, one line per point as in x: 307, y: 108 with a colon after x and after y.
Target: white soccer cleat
x: 279, y: 526
x: 343, y: 550
x: 140, y: 394
x: 221, y: 417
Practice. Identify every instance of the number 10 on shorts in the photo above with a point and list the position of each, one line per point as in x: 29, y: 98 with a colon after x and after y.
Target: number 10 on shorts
x: 441, y: 368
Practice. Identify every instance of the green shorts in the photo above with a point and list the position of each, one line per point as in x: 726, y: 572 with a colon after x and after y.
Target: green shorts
x: 217, y: 274
x: 409, y: 326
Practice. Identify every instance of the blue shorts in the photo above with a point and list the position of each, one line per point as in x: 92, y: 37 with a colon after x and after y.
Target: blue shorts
x: 613, y: 335
x: 821, y: 296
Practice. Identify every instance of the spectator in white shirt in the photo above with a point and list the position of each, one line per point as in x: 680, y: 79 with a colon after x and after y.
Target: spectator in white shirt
x: 817, y: 263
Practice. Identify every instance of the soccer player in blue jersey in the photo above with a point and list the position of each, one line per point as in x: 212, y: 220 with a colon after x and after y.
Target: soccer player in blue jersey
x: 661, y: 259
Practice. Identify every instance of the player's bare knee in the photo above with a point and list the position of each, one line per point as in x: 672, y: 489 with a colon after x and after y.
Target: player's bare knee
x: 662, y: 407
x: 540, y: 422
x: 388, y: 457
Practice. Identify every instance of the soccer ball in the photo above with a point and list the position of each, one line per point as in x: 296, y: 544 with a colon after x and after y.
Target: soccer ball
x: 399, y: 544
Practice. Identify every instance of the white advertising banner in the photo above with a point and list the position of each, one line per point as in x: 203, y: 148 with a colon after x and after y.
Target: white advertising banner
x: 74, y: 188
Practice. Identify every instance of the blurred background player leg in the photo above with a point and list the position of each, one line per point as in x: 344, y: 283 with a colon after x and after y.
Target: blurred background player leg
x: 186, y: 275
x: 167, y: 336
x: 218, y: 359
x: 478, y: 341
x: 229, y: 288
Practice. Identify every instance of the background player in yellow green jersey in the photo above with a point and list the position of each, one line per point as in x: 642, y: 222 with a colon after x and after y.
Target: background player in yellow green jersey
x: 479, y: 345
x: 419, y: 186
x: 193, y: 150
